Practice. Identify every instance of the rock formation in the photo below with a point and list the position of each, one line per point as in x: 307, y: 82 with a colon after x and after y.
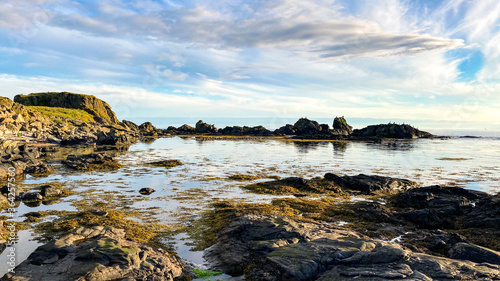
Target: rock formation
x: 99, y: 109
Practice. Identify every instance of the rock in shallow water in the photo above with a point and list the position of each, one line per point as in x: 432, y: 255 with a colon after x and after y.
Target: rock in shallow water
x: 146, y: 191
x: 92, y: 161
x: 96, y: 254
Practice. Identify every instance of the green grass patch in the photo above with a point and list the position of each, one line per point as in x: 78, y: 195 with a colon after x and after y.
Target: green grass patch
x: 200, y: 273
x: 68, y: 113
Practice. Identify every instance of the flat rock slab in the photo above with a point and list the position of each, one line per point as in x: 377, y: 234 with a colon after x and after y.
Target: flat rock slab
x: 97, y: 254
x: 277, y: 248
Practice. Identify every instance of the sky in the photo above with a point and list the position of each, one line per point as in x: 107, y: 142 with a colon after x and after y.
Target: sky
x: 420, y: 60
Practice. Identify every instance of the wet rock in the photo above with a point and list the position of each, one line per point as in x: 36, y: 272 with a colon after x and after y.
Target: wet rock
x: 146, y: 191
x: 97, y: 253
x: 29, y: 196
x: 115, y: 137
x: 391, y: 130
x: 50, y: 191
x: 295, y: 185
x: 204, y: 128
x: 167, y: 163
x: 475, y: 253
x: 278, y: 248
x: 370, y: 183
x: 93, y: 161
x: 41, y: 169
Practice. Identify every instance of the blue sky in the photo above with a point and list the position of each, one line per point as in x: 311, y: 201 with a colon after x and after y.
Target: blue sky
x: 414, y: 60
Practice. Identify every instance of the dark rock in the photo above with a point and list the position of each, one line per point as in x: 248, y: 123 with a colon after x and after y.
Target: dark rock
x: 115, y: 137
x: 148, y: 129
x: 245, y: 131
x: 287, y: 130
x: 131, y: 125
x: 99, y: 109
x: 395, y: 131
x: 31, y: 196
x: 146, y: 191
x: 278, y: 248
x: 340, y: 127
x: 369, y: 184
x: 97, y: 253
x: 475, y: 253
x: 49, y: 191
x: 41, y: 169
x: 99, y: 212
x: 167, y: 163
x: 93, y: 161
x: 186, y: 129
x: 204, y: 128
x: 305, y: 126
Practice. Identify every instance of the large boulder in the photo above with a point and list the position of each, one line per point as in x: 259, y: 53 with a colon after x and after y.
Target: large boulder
x: 100, y: 110
x: 391, y: 130
x: 148, y: 129
x: 96, y: 254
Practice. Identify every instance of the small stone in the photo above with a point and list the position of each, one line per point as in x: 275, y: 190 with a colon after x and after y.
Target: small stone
x: 146, y: 191
x: 50, y: 191
x: 31, y: 196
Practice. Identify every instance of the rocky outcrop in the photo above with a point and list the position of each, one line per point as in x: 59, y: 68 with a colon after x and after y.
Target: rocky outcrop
x: 305, y: 126
x: 21, y: 159
x: 278, y: 248
x: 131, y: 125
x: 204, y: 128
x: 97, y: 253
x: 391, y: 130
x: 245, y: 131
x: 368, y: 184
x: 147, y: 129
x: 92, y: 161
x: 99, y: 109
x: 340, y: 127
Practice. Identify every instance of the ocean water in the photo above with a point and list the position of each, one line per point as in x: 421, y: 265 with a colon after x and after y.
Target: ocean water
x: 183, y: 192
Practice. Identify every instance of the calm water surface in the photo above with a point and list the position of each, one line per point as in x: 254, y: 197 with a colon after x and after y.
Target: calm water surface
x: 182, y: 192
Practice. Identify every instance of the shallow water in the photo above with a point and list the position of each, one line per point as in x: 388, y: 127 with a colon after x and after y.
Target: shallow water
x: 183, y: 192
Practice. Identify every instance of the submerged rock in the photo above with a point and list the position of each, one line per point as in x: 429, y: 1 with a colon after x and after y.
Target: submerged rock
x: 97, y: 253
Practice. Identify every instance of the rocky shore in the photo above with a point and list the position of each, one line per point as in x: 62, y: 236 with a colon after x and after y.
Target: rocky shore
x: 409, y: 233
x: 395, y: 230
